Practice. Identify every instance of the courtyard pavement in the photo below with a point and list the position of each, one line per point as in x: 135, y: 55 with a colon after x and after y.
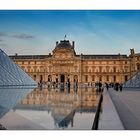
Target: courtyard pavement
x: 121, y: 110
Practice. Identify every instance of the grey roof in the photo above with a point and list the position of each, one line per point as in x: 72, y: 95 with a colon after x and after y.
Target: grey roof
x: 83, y: 56
x: 29, y: 56
x: 64, y: 44
x: 103, y: 56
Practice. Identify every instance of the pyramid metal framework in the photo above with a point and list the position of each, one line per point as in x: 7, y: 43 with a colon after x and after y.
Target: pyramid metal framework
x: 133, y: 82
x: 9, y: 97
x: 11, y: 74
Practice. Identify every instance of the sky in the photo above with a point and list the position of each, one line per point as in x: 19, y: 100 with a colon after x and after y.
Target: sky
x: 30, y: 32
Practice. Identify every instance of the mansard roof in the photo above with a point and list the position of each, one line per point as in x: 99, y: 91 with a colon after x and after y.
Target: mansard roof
x: 63, y: 44
x: 107, y: 56
x: 29, y: 56
x: 83, y: 56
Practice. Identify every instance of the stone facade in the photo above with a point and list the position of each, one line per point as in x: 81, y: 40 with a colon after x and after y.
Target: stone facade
x: 65, y: 65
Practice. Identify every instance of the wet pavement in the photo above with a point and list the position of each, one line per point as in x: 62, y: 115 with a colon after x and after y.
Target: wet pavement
x: 39, y: 109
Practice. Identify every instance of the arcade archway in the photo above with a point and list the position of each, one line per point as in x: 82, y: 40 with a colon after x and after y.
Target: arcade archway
x: 62, y: 78
x: 75, y: 78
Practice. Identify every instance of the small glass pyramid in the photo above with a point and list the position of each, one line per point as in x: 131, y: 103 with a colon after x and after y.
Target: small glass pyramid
x: 11, y: 74
x: 133, y: 82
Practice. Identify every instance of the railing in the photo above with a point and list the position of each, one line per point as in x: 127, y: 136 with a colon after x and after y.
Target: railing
x: 97, y: 115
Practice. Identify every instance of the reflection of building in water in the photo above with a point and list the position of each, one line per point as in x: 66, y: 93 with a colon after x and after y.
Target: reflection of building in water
x: 53, y: 98
x: 61, y: 105
x: 65, y: 65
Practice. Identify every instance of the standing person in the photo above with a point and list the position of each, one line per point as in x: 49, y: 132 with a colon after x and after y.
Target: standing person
x: 107, y: 86
x: 121, y: 87
x: 100, y: 86
x: 117, y: 86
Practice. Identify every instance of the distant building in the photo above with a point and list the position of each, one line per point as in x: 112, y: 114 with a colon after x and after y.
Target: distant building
x: 65, y: 65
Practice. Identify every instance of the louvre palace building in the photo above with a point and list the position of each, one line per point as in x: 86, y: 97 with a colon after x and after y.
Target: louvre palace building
x: 64, y: 65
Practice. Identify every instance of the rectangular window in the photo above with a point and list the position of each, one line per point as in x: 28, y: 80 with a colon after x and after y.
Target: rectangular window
x: 86, y: 68
x: 104, y: 62
x: 32, y: 62
x: 93, y: 68
x: 26, y: 63
x: 100, y: 69
x: 107, y: 78
x: 93, y: 77
x: 100, y: 78
x: 38, y: 62
x: 86, y: 78
x: 114, y: 78
x: 41, y: 78
x: 126, y: 78
x: 97, y: 62
x: 114, y: 69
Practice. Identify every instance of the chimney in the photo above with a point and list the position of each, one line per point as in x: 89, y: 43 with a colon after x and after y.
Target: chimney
x: 132, y: 52
x: 73, y: 44
x: 56, y: 43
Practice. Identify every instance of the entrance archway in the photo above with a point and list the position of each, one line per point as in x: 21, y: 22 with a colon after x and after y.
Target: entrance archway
x: 75, y: 78
x: 62, y: 78
x: 49, y: 78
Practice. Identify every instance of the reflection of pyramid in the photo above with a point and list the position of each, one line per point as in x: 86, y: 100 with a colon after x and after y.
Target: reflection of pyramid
x: 11, y: 74
x: 10, y: 97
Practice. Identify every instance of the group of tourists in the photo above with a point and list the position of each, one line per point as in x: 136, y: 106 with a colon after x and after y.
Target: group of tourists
x: 99, y: 86
x: 55, y: 85
x: 117, y: 86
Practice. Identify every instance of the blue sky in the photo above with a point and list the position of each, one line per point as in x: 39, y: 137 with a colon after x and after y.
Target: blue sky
x: 94, y: 31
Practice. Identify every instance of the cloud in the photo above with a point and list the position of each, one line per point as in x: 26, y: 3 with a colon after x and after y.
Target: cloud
x: 23, y: 36
x: 1, y: 40
x: 3, y: 34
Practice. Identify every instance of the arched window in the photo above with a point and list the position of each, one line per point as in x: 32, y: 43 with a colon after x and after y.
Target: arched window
x: 86, y: 78
x: 107, y: 68
x: 100, y: 69
x: 114, y: 69
x: 93, y: 77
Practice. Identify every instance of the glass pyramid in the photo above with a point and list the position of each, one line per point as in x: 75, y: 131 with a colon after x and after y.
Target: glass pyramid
x: 11, y: 74
x: 133, y: 82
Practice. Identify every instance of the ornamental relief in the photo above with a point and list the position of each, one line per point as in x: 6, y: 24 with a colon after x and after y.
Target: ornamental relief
x: 63, y: 55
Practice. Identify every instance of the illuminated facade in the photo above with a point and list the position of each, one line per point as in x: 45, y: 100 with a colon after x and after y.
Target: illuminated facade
x: 65, y: 65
